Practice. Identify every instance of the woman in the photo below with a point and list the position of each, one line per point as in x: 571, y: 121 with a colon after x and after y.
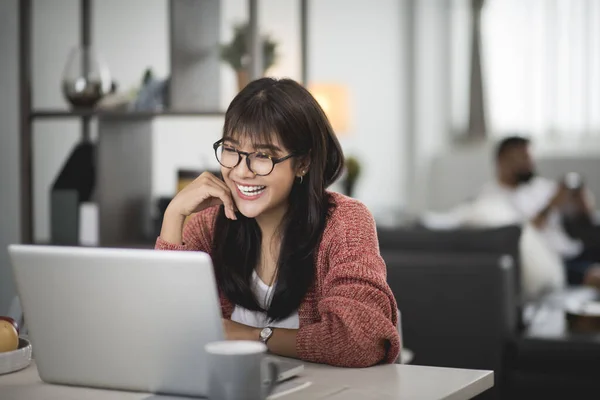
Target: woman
x: 297, y: 267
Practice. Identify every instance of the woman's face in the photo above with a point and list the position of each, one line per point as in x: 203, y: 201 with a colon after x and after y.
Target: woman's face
x: 254, y: 195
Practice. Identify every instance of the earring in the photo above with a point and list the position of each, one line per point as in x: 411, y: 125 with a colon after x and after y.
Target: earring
x: 302, y: 176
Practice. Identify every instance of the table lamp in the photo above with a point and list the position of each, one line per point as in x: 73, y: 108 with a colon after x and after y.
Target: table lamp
x: 333, y: 99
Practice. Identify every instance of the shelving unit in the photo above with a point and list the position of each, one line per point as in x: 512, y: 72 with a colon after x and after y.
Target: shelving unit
x: 39, y: 114
x: 123, y: 151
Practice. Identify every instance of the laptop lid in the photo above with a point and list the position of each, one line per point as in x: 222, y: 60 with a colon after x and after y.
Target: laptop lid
x: 119, y: 318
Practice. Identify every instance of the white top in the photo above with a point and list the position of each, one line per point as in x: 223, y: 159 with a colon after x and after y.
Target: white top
x: 257, y: 319
x: 528, y: 200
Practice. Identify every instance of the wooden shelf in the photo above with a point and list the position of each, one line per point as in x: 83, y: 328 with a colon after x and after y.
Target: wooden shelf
x: 49, y: 113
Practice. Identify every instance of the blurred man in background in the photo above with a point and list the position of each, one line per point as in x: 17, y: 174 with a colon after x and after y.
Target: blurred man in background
x: 545, y: 203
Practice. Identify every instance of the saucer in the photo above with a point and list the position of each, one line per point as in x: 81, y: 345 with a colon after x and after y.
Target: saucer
x: 16, y: 360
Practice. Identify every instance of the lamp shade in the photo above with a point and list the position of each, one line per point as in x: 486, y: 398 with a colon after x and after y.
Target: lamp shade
x: 333, y: 99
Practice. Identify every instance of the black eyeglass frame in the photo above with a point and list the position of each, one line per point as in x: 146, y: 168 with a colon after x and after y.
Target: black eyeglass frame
x: 240, y: 153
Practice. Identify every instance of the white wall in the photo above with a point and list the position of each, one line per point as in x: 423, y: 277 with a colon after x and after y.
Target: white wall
x: 9, y: 145
x: 432, y: 93
x: 359, y: 43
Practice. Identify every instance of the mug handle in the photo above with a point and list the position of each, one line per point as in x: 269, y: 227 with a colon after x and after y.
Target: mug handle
x: 270, y: 381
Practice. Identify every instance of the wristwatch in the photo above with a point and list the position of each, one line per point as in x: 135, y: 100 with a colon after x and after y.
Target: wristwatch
x: 265, y: 334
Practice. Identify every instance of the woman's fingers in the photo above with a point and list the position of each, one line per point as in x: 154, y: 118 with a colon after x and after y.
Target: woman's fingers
x: 224, y: 195
x: 224, y: 186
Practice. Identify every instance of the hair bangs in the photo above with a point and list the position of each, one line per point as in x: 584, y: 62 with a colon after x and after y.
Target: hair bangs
x: 255, y: 123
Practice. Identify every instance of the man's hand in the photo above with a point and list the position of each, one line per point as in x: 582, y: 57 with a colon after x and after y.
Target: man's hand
x: 562, y: 196
x: 583, y: 201
x: 237, y: 331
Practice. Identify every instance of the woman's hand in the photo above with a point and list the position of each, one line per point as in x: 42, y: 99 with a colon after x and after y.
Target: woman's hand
x: 205, y: 191
x: 283, y: 341
x: 236, y: 331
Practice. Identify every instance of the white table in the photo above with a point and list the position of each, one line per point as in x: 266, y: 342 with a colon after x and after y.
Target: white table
x: 381, y: 382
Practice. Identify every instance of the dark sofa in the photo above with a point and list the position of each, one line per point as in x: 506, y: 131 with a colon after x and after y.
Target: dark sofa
x: 458, y: 292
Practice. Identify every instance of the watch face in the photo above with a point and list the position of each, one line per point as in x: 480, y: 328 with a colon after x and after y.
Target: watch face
x: 266, y: 333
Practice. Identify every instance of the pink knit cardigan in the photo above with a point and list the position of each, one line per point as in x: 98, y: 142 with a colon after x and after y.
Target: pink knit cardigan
x: 349, y: 316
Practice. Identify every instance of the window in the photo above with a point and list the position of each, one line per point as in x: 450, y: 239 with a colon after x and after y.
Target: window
x: 541, y: 67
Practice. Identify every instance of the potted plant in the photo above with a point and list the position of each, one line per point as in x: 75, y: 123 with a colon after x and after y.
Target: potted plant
x: 235, y: 53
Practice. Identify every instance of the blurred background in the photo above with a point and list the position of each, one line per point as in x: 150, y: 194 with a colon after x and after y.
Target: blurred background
x: 107, y: 108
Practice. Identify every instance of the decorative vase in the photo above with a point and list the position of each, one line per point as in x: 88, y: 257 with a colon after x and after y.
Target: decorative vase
x: 86, y: 78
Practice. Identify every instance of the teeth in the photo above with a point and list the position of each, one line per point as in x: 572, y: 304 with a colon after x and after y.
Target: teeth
x: 251, y: 190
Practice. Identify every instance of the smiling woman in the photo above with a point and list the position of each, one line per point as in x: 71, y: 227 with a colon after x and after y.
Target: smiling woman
x: 297, y: 267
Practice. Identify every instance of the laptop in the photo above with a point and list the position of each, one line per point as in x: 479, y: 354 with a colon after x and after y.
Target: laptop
x: 124, y: 319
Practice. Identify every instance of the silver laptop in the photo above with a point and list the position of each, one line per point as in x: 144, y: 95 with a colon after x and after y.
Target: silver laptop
x: 121, y: 318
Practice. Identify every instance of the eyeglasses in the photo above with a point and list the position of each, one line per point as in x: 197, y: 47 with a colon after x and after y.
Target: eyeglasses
x: 258, y: 162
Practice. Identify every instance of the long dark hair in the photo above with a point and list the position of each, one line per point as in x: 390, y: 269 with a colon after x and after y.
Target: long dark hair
x: 284, y: 108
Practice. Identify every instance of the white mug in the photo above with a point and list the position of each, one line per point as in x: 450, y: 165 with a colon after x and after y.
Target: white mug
x: 239, y: 370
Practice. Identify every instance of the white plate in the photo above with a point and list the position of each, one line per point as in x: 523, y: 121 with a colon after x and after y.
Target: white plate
x: 587, y: 308
x: 16, y: 360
